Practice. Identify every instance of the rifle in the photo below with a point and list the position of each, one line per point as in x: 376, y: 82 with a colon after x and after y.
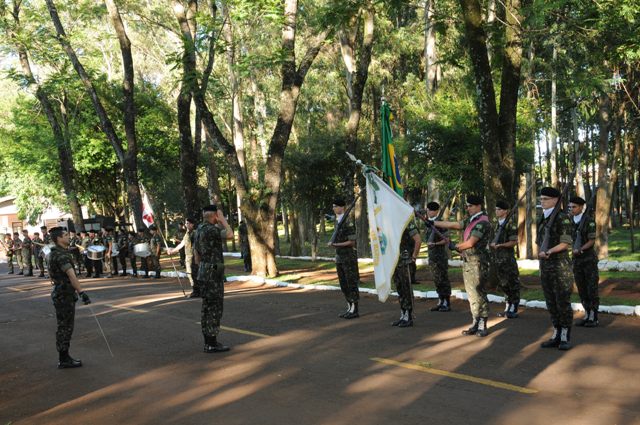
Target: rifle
x: 435, y: 230
x: 577, y: 244
x: 510, y: 214
x: 343, y: 220
x: 444, y: 206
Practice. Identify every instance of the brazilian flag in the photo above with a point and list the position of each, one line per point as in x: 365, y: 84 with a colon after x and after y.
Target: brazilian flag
x: 390, y: 170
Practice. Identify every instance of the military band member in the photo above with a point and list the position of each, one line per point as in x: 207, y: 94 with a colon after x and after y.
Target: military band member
x: 155, y: 243
x: 409, y: 250
x: 208, y: 256
x: 17, y: 250
x: 474, y: 250
x: 74, y: 250
x: 141, y: 237
x: 107, y: 239
x: 585, y: 263
x: 8, y: 247
x: 65, y: 287
x: 27, y: 252
x: 555, y: 269
x: 344, y: 243
x: 504, y: 260
x: 96, y: 265
x: 186, y: 246
x: 122, y: 242
x: 38, y: 244
x: 439, y: 260
x: 46, y: 237
x: 85, y: 241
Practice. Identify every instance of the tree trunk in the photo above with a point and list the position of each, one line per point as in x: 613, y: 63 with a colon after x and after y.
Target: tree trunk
x: 430, y: 55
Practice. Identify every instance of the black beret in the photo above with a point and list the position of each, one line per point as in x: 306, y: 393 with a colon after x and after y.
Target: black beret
x: 474, y: 200
x: 339, y: 202
x: 577, y: 200
x: 210, y: 208
x: 502, y: 205
x: 551, y: 192
x: 44, y: 227
x: 433, y: 206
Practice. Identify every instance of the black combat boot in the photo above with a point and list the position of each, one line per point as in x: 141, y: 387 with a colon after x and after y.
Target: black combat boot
x: 446, y: 305
x: 408, y: 320
x: 512, y: 313
x: 66, y: 361
x: 353, y: 312
x: 582, y: 321
x: 41, y: 275
x: 211, y: 345
x: 21, y: 273
x: 473, y: 329
x: 554, y: 341
x: 437, y: 306
x: 124, y: 273
x: 346, y: 311
x: 565, y: 339
x: 483, y: 328
x: 592, y: 320
x: 506, y: 309
x: 403, y: 313
x: 30, y: 273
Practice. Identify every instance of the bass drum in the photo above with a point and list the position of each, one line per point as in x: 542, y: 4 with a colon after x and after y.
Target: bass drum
x: 142, y: 250
x: 96, y: 252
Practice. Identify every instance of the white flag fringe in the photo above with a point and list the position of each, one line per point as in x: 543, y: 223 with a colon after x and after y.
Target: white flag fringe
x: 389, y: 216
x: 147, y: 211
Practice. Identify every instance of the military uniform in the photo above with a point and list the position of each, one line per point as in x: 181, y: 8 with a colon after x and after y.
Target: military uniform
x: 439, y: 266
x: 402, y: 275
x: 122, y: 242
x: 137, y: 239
x: 555, y: 272
x: 38, y: 244
x: 96, y: 265
x: 475, y: 269
x: 108, y: 256
x: 9, y: 248
x: 88, y: 264
x: 63, y: 295
x: 76, y: 256
x: 586, y: 274
x: 26, y: 256
x: 506, y: 266
x: 208, y: 243
x: 245, y: 250
x: 17, y: 249
x: 187, y: 240
x: 347, y: 267
x: 155, y: 243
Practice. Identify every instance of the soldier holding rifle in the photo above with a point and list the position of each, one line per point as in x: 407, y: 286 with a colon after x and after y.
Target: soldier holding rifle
x: 439, y: 259
x: 504, y: 260
x: 409, y: 250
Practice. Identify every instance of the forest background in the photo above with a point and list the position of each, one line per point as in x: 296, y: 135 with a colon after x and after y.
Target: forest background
x: 253, y: 104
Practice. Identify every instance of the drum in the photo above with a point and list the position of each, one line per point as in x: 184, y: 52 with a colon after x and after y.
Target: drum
x: 96, y: 252
x: 115, y: 250
x: 142, y: 250
x: 46, y: 250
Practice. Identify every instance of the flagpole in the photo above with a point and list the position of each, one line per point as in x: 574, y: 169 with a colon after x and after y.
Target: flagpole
x: 172, y: 262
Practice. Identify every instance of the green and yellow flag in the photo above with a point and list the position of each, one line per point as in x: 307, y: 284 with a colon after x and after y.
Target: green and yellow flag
x: 390, y: 169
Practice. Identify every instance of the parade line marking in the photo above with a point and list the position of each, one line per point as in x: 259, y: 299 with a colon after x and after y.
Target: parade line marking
x: 242, y: 331
x: 454, y: 375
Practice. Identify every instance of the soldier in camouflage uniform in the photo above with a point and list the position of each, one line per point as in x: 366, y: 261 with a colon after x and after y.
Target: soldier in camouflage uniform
x: 474, y: 250
x: 585, y: 263
x: 17, y: 250
x: 74, y: 250
x: 245, y: 249
x: 504, y: 260
x: 409, y: 250
x: 95, y: 265
x: 140, y: 237
x: 122, y: 242
x: 186, y: 246
x: 156, y: 244
x: 65, y: 287
x: 8, y: 247
x: 344, y: 243
x: 207, y: 250
x: 27, y: 253
x: 38, y: 244
x: 438, y: 260
x: 555, y: 268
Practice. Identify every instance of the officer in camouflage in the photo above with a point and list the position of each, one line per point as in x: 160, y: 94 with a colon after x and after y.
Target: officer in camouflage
x: 155, y: 243
x: 474, y: 250
x: 346, y: 259
x: 555, y: 269
x: 504, y: 260
x: 38, y: 244
x: 27, y: 252
x: 8, y: 247
x: 17, y: 250
x: 207, y: 250
x: 65, y: 287
x: 585, y: 263
x: 74, y: 250
x: 409, y: 250
x: 186, y: 246
x: 438, y: 260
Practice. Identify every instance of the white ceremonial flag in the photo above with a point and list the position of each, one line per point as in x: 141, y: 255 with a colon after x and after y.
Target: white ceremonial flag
x: 389, y: 216
x: 147, y: 211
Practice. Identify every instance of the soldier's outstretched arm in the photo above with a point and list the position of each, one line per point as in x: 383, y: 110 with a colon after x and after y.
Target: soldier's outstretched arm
x: 447, y: 224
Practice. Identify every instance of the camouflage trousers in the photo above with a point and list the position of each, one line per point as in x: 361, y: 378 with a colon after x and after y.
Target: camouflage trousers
x: 10, y: 263
x: 557, y: 283
x: 585, y: 272
x: 19, y: 260
x: 65, y: 305
x: 212, y: 306
x: 475, y: 272
x: 402, y: 281
x: 27, y: 264
x: 40, y: 263
x: 508, y: 278
x: 349, y: 278
x: 440, y: 270
x: 153, y: 263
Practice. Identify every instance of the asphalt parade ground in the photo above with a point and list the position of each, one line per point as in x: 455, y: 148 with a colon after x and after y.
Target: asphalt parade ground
x: 293, y: 361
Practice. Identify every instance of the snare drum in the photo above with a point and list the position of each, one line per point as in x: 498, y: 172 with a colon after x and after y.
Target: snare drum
x: 142, y: 250
x: 96, y: 252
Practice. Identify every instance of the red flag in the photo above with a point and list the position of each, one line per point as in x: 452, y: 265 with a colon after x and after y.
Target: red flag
x: 147, y: 211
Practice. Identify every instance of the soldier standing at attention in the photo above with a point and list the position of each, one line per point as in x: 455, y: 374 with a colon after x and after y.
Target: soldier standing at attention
x: 141, y: 237
x: 474, y: 250
x: 346, y: 259
x: 84, y: 243
x: 409, y: 250
x: 17, y: 249
x: 8, y: 246
x: 438, y: 260
x: 555, y: 269
x: 38, y: 244
x: 74, y: 250
x: 96, y: 265
x: 46, y: 237
x: 186, y: 245
x: 585, y: 263
x: 155, y: 243
x: 26, y: 254
x: 504, y: 260
x: 65, y: 287
x: 207, y: 250
x: 122, y: 242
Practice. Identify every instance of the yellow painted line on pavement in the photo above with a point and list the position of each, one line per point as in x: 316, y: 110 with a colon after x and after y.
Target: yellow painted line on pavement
x: 460, y: 376
x: 119, y: 307
x: 242, y: 331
